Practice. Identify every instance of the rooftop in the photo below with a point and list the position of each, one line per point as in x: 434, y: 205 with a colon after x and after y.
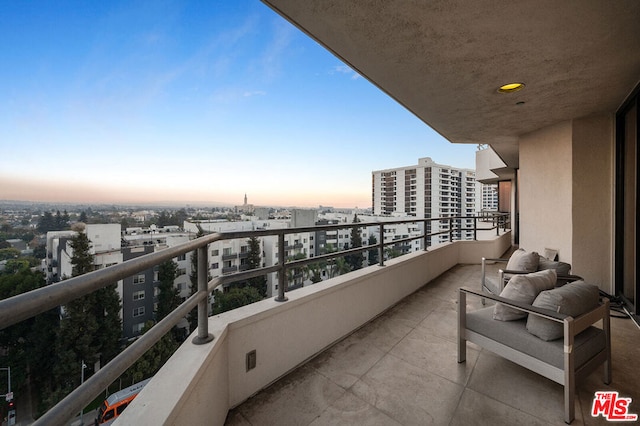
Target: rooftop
x: 401, y: 368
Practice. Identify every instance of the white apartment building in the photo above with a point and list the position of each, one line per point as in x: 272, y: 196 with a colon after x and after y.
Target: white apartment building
x: 490, y: 197
x: 138, y: 294
x: 428, y: 190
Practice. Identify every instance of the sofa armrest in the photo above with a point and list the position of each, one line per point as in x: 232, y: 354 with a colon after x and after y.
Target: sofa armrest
x: 494, y: 259
x: 484, y: 272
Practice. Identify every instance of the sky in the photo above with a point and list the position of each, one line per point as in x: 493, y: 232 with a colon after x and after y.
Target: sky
x: 191, y: 102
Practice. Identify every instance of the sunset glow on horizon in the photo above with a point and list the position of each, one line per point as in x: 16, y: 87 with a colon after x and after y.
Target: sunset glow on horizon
x: 188, y: 103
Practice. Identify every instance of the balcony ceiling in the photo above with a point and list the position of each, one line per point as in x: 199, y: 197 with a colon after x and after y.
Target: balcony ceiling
x: 444, y: 60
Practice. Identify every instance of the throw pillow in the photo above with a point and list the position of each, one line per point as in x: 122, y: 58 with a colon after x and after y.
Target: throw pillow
x: 562, y: 268
x: 572, y: 299
x: 520, y: 260
x: 524, y: 289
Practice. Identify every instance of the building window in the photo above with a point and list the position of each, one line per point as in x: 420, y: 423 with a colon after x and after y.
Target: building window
x: 137, y: 328
x: 138, y: 295
x: 138, y: 279
x: 215, y: 265
x: 244, y: 249
x: 182, y: 257
x: 138, y: 311
x: 226, y: 251
x: 182, y: 271
x: 215, y: 252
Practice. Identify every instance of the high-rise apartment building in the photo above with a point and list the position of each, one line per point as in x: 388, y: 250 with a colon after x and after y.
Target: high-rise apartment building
x: 490, y: 197
x: 428, y: 190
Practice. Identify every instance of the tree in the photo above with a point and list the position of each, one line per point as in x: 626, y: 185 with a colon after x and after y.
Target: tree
x: 28, y: 345
x: 168, y: 294
x: 254, y: 261
x: 83, y: 217
x: 342, y: 267
x: 46, y: 223
x: 90, y: 327
x: 153, y: 359
x: 61, y: 221
x: 391, y: 252
x: 163, y: 219
x: 315, y: 270
x: 234, y: 298
x: 107, y: 309
x: 355, y: 260
x: 9, y: 253
x: 373, y: 253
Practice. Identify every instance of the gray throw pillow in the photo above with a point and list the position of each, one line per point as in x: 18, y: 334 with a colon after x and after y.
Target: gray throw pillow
x: 524, y: 289
x: 562, y: 268
x: 520, y: 260
x: 572, y: 299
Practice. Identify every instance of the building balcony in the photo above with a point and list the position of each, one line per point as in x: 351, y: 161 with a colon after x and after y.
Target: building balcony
x: 401, y: 368
x: 392, y: 360
x: 229, y: 269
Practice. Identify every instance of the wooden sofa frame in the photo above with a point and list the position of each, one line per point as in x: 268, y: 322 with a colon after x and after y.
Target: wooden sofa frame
x: 565, y: 376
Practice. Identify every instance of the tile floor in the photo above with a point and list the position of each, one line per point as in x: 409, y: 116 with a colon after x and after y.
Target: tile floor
x: 401, y: 369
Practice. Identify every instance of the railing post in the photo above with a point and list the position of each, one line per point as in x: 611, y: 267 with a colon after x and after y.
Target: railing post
x: 381, y: 245
x: 203, y: 305
x: 282, y: 273
x: 475, y: 228
x: 450, y: 229
x: 497, y: 221
x: 426, y: 237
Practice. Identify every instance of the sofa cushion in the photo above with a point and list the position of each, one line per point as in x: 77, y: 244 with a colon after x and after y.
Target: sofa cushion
x: 572, y: 299
x: 562, y: 268
x: 524, y: 289
x: 512, y: 333
x: 521, y: 260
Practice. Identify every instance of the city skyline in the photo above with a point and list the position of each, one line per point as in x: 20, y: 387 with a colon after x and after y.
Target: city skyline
x: 188, y: 103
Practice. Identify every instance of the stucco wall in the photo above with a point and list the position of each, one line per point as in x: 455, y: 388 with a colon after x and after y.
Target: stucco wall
x: 545, y: 186
x: 593, y: 191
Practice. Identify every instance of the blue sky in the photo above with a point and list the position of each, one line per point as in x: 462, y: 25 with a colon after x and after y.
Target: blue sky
x: 190, y: 102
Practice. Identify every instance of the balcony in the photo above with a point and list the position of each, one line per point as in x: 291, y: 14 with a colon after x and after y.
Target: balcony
x: 301, y: 314
x: 230, y: 269
x: 392, y: 360
x: 401, y: 368
x: 215, y: 377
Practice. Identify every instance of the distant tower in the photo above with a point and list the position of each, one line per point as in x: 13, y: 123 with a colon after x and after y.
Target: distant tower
x: 245, y: 199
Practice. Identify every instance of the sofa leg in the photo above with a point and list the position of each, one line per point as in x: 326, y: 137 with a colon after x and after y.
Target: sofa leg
x: 569, y: 404
x: 569, y: 374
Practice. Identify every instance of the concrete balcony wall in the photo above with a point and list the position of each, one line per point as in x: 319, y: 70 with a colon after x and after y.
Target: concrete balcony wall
x: 200, y: 383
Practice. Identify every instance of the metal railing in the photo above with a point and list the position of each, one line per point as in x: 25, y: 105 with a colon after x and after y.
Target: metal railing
x: 23, y: 306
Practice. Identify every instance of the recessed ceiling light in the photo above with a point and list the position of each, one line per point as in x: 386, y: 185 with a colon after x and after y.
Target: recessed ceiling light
x: 511, y: 87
